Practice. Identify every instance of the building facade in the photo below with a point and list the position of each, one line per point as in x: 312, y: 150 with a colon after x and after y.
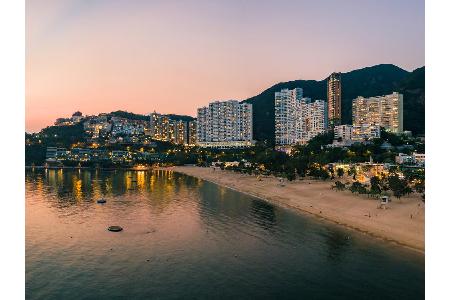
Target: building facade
x: 163, y: 128
x: 192, y: 133
x: 383, y: 111
x: 287, y: 116
x: 225, y: 124
x: 334, y: 93
x: 364, y: 132
x: 297, y: 119
x: 312, y: 120
x: 343, y: 132
x: 180, y: 132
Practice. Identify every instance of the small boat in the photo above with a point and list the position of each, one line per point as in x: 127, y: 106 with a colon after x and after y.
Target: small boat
x: 115, y: 228
x: 101, y: 201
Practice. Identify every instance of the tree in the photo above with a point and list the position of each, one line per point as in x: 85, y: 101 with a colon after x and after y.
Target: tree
x: 363, y: 190
x: 340, y: 172
x: 290, y: 175
x: 398, y: 186
x: 301, y: 166
x: 331, y: 170
x: 339, y: 186
x: 408, y: 190
x: 352, y: 172
x: 393, y: 170
x: 375, y: 185
x: 355, y: 187
x: 35, y: 154
x: 419, y: 186
x: 319, y: 172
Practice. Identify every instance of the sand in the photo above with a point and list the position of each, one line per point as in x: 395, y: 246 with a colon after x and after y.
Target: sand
x: 402, y: 223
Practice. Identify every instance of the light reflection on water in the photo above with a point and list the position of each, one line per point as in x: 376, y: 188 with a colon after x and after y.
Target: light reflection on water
x: 187, y: 238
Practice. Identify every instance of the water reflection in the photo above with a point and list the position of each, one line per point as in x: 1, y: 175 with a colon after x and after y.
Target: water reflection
x: 264, y: 214
x: 185, y: 234
x: 337, y: 242
x: 82, y: 186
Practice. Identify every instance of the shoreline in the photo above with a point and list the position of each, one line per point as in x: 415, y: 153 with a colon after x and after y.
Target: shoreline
x: 91, y: 168
x: 403, y: 223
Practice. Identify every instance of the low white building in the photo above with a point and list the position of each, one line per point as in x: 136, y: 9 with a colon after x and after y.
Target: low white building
x: 343, y: 132
x: 415, y: 158
x: 365, y: 132
x: 403, y: 158
x: 419, y: 158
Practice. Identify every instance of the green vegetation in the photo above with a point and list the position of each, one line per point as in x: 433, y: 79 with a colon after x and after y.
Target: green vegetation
x: 398, y: 186
x: 62, y: 136
x: 375, y: 185
x: 339, y: 186
x: 35, y: 154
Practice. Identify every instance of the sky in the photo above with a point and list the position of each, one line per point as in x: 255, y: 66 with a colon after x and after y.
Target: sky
x: 175, y: 56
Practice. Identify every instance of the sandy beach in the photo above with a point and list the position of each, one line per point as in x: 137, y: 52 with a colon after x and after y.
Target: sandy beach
x: 403, y: 222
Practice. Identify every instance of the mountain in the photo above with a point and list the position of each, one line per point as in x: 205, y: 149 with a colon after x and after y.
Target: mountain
x: 180, y: 117
x: 133, y: 116
x: 370, y: 81
x: 413, y: 90
x: 129, y: 115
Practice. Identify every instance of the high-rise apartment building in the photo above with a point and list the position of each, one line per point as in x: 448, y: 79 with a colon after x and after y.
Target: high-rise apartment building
x: 179, y: 135
x: 225, y: 124
x: 334, y: 92
x: 311, y: 119
x: 159, y: 126
x: 287, y: 116
x: 297, y: 119
x: 192, y: 133
x: 383, y: 111
x: 163, y: 128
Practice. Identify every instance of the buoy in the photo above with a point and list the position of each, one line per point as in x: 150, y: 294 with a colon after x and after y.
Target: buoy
x: 115, y: 228
x: 101, y: 201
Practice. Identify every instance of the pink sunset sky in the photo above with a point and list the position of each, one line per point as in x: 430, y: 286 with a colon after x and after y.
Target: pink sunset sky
x: 175, y: 56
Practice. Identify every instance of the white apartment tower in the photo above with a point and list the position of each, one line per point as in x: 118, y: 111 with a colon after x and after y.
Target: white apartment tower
x: 383, y: 111
x: 312, y: 120
x: 287, y: 116
x: 225, y: 124
x: 297, y: 119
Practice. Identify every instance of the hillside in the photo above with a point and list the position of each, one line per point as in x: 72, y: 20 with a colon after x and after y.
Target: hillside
x: 413, y: 90
x: 133, y: 116
x: 371, y: 81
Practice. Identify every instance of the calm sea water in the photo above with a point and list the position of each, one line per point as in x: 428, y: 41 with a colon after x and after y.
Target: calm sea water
x: 185, y: 238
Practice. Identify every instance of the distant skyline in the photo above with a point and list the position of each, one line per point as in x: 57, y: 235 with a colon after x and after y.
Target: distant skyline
x: 174, y: 56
